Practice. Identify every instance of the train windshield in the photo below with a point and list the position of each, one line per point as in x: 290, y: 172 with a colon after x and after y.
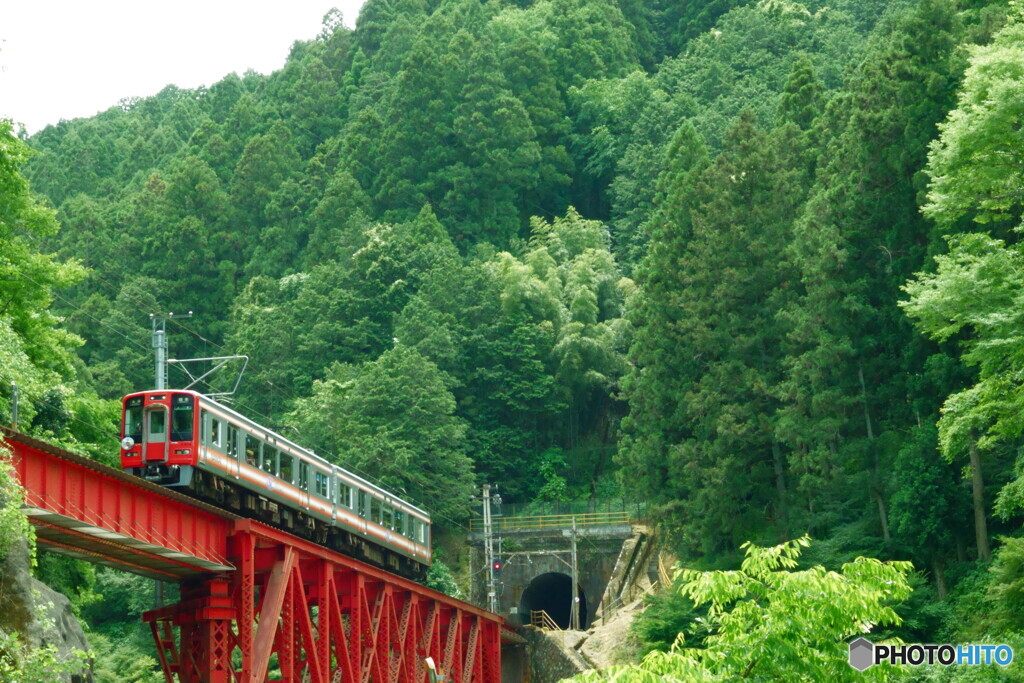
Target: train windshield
x: 133, y: 419
x: 181, y: 419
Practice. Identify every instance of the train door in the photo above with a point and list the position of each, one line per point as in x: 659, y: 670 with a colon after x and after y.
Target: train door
x: 204, y: 435
x: 363, y: 510
x: 335, y: 491
x: 303, y: 482
x: 155, y: 434
x: 232, y: 449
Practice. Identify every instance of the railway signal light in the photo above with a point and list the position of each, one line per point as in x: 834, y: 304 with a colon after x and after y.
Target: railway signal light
x: 496, y: 567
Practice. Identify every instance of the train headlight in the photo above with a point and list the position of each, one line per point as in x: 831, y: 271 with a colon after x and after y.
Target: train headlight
x: 183, y: 451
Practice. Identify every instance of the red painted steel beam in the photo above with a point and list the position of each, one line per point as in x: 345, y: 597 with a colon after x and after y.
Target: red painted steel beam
x: 325, y: 617
x: 84, y: 506
x: 273, y: 601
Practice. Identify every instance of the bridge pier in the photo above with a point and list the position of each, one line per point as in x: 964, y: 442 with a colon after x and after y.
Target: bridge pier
x: 203, y: 617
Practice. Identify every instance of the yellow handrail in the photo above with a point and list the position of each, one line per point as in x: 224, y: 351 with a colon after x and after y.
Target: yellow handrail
x: 543, y: 620
x: 552, y: 521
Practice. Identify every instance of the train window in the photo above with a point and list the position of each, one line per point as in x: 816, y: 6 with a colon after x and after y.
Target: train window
x: 182, y: 419
x: 362, y: 504
x: 232, y: 440
x: 414, y: 532
x: 269, y: 463
x: 133, y: 419
x: 388, y: 518
x: 252, y: 449
x: 285, y: 468
x: 375, y: 510
x: 321, y: 484
x: 303, y: 475
x: 345, y: 495
x: 157, y: 426
x: 216, y: 432
x: 400, y: 523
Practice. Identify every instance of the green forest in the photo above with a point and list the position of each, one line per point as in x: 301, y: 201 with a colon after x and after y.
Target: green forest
x: 755, y: 264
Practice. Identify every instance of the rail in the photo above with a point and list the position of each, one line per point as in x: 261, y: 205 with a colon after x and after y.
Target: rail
x: 551, y: 521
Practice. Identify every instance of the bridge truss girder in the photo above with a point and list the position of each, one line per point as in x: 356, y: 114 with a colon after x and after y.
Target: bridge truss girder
x: 311, y: 614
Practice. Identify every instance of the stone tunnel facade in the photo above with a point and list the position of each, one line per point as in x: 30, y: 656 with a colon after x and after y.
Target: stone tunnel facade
x: 536, y: 571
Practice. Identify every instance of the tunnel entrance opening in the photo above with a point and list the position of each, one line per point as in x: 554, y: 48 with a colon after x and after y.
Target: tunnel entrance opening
x: 552, y: 592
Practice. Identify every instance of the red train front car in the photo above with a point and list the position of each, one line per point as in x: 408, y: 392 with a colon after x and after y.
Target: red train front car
x: 161, y: 434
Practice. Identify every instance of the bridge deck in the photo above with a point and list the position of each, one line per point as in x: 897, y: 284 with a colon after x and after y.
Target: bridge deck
x: 85, y: 509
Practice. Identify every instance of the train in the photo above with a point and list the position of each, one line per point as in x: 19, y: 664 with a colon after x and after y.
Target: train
x: 187, y: 441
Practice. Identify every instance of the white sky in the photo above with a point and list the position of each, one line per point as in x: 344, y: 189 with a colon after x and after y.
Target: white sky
x: 64, y: 59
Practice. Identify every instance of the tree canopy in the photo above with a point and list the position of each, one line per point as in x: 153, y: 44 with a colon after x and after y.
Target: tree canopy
x: 752, y: 266
x: 770, y: 621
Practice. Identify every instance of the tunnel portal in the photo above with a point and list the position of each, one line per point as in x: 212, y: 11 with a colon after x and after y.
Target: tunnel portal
x: 552, y: 592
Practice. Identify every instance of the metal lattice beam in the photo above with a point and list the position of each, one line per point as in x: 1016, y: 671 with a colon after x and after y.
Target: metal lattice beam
x: 367, y: 626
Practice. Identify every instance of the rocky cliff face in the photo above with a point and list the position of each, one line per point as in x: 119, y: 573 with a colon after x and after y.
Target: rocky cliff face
x: 39, y: 614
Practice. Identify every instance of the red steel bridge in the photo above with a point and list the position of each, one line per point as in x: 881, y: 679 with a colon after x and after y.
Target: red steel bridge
x: 253, y: 599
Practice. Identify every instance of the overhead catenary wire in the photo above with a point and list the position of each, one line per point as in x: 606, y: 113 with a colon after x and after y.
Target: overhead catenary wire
x: 177, y: 322
x: 115, y: 290
x: 87, y: 313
